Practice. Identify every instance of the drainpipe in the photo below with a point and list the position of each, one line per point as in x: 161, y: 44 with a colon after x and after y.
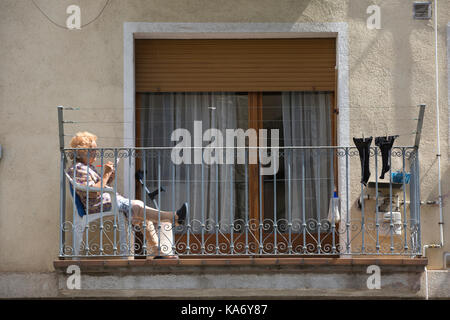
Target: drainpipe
x: 438, y: 155
x: 441, y: 216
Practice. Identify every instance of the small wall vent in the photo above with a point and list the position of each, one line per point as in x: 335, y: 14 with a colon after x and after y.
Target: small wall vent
x: 422, y: 10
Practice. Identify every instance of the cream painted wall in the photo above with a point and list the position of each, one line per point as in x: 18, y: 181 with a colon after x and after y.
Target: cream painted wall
x: 42, y: 66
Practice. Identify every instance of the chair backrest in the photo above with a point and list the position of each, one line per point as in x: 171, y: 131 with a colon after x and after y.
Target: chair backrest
x: 80, y: 207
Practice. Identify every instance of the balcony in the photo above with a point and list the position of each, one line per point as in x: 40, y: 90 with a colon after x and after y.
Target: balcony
x: 235, y: 211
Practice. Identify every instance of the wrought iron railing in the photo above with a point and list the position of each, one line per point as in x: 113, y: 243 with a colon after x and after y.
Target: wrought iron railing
x: 235, y: 211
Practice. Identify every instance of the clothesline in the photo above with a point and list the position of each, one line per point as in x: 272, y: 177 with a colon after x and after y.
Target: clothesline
x: 236, y: 180
x: 158, y: 139
x: 353, y: 106
x: 244, y: 120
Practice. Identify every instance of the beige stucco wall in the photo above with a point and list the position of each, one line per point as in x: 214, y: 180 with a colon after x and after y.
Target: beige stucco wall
x: 42, y: 66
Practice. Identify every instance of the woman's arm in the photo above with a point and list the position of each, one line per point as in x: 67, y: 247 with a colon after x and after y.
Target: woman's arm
x: 82, y: 178
x: 107, y: 173
x: 103, y: 181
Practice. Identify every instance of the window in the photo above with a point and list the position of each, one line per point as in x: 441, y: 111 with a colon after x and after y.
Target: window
x: 283, y: 84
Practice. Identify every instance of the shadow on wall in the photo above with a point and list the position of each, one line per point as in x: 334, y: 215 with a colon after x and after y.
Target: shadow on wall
x: 213, y: 11
x: 389, y: 62
x: 433, y: 193
x: 446, y: 190
x: 430, y: 213
x: 55, y: 10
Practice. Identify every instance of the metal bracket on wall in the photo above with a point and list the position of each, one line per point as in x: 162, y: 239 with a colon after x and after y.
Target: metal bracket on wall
x: 419, y: 125
x: 60, y: 127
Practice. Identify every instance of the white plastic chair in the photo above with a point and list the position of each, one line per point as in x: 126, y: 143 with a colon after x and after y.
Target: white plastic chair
x: 81, y: 219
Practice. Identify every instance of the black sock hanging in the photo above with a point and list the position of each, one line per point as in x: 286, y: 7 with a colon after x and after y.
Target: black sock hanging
x: 363, y: 146
x: 385, y: 144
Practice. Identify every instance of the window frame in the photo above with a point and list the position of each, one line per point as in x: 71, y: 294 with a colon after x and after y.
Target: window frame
x: 144, y: 30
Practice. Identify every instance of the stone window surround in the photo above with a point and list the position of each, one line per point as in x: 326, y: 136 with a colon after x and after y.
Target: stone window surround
x: 164, y: 30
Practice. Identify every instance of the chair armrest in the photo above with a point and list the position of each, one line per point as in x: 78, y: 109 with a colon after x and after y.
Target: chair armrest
x: 84, y: 188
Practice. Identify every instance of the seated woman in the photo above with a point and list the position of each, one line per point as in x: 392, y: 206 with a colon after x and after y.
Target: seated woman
x: 85, y: 173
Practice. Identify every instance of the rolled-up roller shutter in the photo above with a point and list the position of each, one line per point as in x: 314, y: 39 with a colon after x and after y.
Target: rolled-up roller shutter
x: 237, y: 65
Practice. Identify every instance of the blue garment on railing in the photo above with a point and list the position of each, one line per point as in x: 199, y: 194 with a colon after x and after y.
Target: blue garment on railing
x: 400, y: 177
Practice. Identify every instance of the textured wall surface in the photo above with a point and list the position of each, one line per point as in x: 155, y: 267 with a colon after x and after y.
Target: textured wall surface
x: 43, y: 66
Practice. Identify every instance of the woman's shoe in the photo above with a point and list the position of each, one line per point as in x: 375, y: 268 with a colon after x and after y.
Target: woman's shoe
x: 181, y: 213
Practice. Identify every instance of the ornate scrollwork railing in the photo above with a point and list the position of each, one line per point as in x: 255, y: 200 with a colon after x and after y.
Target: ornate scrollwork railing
x: 227, y: 218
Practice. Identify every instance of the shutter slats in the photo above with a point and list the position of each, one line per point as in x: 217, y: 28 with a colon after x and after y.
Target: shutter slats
x: 235, y: 65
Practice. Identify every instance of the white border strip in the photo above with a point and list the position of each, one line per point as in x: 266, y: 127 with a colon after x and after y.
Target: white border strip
x: 448, y: 76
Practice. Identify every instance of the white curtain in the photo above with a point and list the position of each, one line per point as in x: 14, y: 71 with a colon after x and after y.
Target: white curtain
x: 161, y: 114
x: 307, y: 122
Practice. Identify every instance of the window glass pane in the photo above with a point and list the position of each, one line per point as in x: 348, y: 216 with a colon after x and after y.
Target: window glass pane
x: 303, y: 119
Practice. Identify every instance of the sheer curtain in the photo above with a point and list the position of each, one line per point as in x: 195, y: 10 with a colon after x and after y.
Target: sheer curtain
x: 161, y: 114
x: 307, y: 122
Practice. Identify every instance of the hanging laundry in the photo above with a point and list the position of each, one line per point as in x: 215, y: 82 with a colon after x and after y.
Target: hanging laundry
x: 385, y: 144
x: 363, y: 146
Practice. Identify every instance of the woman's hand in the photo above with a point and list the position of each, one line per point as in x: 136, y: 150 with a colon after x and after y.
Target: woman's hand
x: 108, y: 172
x: 108, y: 168
x: 111, y: 177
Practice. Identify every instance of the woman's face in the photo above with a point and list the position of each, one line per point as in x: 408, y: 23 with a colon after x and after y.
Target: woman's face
x: 92, y: 154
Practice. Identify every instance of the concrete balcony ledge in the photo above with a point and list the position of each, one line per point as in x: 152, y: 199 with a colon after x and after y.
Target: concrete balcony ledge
x: 232, y: 278
x: 246, y: 278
